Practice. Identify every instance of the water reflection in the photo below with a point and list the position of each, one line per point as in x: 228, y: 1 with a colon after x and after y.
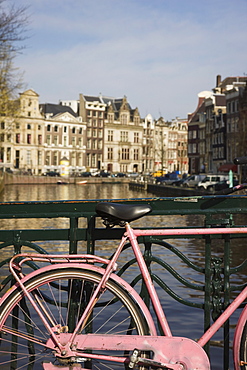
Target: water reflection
x: 67, y: 192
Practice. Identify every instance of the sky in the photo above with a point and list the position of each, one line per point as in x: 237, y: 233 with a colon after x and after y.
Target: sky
x: 158, y: 53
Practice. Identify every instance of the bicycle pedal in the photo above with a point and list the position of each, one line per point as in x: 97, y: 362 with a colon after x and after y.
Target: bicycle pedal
x: 134, y: 358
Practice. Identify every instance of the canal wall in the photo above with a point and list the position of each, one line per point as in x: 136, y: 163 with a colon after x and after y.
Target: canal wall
x: 13, y: 179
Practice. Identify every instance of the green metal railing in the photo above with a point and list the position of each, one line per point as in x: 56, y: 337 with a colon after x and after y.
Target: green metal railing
x: 80, y: 225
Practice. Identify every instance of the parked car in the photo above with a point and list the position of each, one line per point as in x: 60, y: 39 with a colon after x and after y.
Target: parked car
x: 85, y: 174
x: 224, y: 184
x: 120, y: 174
x: 159, y: 173
x: 160, y: 179
x: 52, y: 173
x: 133, y: 174
x: 180, y: 182
x: 104, y: 174
x: 193, y: 181
x: 210, y: 180
x: 171, y: 180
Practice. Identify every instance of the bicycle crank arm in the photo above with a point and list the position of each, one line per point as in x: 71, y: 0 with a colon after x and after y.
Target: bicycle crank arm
x: 135, y: 359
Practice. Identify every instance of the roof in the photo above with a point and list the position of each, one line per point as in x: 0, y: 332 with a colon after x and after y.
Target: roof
x: 92, y: 98
x: 55, y: 109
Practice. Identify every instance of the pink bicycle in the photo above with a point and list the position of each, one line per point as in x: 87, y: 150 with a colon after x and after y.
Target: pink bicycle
x: 76, y: 312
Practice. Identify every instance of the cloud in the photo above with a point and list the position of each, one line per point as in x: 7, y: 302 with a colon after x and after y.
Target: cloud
x: 160, y: 54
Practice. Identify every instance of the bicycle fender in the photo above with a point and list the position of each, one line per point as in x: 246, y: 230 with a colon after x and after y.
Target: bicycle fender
x: 98, y: 269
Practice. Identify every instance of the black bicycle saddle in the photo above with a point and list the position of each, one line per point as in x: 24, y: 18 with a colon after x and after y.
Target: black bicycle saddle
x: 115, y: 212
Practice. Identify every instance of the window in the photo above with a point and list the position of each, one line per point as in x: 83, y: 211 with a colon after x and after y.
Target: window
x: 39, y: 157
x: 18, y: 138
x: 88, y: 143
x: 55, y: 140
x: 110, y: 117
x: 47, y: 160
x: 110, y: 135
x: 8, y: 154
x: 65, y: 129
x: 136, y: 154
x: 125, y: 154
x: 48, y: 127
x: 73, y: 141
x: 124, y: 136
x: 124, y: 118
x: 94, y: 160
x: 73, y: 130
x: 136, y: 137
x: 94, y: 144
x: 28, y: 138
x: 48, y: 139
x: 136, y: 120
x: 55, y: 159
x: 29, y: 127
x: 94, y: 133
x: 2, y: 125
x: 110, y: 153
x: 40, y: 139
x: 80, y: 130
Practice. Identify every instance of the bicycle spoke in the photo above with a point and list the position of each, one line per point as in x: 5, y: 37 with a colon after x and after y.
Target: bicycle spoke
x: 62, y: 297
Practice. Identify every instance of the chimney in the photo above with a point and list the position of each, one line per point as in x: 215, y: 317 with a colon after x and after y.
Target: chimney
x: 218, y: 80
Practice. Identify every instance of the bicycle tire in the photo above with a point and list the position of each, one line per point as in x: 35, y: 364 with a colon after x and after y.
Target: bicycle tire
x: 243, y: 348
x: 61, y: 284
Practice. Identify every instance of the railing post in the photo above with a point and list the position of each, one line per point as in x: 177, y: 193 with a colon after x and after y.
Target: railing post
x: 73, y: 235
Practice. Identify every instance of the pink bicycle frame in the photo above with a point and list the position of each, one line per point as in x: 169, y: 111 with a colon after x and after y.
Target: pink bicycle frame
x: 154, y: 342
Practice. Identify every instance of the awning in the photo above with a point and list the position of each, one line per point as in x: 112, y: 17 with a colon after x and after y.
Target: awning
x: 227, y: 167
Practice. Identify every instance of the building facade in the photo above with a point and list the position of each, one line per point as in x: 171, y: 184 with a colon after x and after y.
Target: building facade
x: 123, y: 137
x: 214, y: 133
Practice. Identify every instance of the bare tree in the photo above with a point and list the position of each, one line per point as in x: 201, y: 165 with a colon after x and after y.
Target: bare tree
x: 13, y: 28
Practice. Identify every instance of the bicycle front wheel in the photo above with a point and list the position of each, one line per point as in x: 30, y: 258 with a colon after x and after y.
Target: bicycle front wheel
x: 62, y: 295
x: 243, y: 349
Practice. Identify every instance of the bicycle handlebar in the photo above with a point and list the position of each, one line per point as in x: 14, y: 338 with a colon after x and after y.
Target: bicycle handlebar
x: 240, y: 160
x: 231, y: 190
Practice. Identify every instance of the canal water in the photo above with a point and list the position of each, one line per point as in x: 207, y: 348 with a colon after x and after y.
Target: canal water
x: 184, y: 320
